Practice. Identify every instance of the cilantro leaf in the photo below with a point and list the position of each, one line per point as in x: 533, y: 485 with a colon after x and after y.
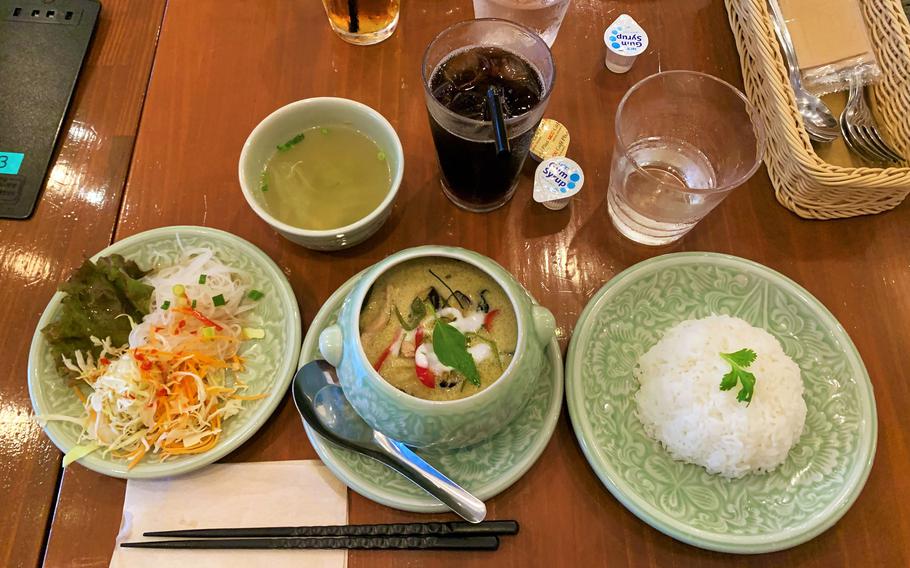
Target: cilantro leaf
x: 729, y: 380
x: 742, y: 358
x: 739, y: 360
x: 745, y: 393
x: 450, y: 346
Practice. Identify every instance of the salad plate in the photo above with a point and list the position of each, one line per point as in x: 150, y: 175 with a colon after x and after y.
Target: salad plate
x: 276, y: 314
x: 485, y: 469
x: 823, y: 473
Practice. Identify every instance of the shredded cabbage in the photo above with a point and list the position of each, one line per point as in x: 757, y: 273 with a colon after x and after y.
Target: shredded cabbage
x: 170, y: 389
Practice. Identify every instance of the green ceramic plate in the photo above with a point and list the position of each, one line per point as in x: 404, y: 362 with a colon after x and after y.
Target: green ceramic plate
x: 824, y: 472
x: 276, y: 313
x: 485, y: 470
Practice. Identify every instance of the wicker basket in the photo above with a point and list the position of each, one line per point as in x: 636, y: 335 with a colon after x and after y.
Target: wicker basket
x: 803, y: 182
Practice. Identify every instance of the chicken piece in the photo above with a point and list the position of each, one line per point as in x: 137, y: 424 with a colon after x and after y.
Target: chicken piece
x: 382, y: 315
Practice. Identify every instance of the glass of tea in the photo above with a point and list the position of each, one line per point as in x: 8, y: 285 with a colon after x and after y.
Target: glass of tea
x: 461, y: 68
x: 363, y: 22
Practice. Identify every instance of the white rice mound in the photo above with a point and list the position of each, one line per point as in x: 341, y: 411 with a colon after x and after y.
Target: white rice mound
x: 680, y: 403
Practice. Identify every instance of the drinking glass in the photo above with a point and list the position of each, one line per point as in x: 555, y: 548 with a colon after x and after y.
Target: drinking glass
x: 684, y: 141
x: 475, y: 175
x: 363, y: 22
x: 542, y: 16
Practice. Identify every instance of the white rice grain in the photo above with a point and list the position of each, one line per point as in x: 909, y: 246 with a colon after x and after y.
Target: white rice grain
x: 680, y: 403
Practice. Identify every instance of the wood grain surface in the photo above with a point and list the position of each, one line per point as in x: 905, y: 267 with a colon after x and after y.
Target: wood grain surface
x: 75, y: 218
x: 222, y: 66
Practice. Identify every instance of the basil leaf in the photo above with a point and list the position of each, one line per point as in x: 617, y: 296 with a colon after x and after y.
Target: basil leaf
x: 451, y: 348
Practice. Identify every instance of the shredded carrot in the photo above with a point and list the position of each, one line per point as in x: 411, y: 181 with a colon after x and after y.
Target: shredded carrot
x: 139, y: 453
x: 174, y: 406
x: 79, y: 393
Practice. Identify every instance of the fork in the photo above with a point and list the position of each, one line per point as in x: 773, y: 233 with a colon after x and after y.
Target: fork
x: 860, y: 131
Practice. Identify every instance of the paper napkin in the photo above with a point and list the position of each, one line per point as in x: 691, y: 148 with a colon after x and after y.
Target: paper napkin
x: 287, y: 493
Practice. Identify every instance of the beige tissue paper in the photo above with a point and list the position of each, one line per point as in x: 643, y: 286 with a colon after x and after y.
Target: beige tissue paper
x: 288, y: 493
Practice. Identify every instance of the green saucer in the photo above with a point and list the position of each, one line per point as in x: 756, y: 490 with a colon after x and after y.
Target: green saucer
x: 823, y: 474
x: 485, y: 469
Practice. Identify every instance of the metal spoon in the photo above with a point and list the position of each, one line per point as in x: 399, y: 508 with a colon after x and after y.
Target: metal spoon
x: 821, y: 125
x: 322, y: 404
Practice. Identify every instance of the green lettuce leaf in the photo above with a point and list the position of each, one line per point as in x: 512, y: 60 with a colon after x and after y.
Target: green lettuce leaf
x: 96, y: 294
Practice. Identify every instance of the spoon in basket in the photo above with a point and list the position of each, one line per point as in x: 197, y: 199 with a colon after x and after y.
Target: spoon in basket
x: 820, y: 122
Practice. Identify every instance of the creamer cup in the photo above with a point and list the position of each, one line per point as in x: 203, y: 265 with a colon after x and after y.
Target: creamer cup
x: 550, y: 140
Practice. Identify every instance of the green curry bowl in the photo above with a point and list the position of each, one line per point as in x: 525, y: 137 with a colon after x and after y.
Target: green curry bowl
x: 426, y: 423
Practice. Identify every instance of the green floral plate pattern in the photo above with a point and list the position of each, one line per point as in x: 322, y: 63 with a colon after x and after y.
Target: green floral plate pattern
x: 276, y: 313
x: 485, y: 469
x: 825, y: 471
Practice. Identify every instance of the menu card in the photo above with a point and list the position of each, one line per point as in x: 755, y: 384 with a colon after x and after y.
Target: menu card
x: 288, y: 493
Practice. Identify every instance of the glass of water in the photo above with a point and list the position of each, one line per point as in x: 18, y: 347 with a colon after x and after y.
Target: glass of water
x: 684, y: 141
x: 542, y: 16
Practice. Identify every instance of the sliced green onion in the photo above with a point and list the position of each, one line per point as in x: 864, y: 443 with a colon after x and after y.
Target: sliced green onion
x: 381, y: 156
x: 253, y: 333
x: 202, y: 278
x: 324, y: 130
x: 208, y: 331
x: 193, y: 305
x: 178, y: 289
x: 219, y: 300
x: 290, y: 143
x: 166, y: 305
x: 255, y: 295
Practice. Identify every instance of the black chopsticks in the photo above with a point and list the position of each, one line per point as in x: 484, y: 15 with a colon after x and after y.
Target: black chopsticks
x: 345, y: 542
x: 410, y: 536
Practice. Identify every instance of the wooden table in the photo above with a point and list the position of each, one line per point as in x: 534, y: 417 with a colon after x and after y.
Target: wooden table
x: 169, y: 96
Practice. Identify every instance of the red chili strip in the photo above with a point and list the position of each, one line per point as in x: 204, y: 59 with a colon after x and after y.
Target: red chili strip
x: 488, y: 320
x: 425, y: 376
x: 382, y: 358
x: 202, y: 318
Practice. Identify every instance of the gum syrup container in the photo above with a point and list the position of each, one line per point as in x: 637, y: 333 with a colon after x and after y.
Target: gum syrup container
x: 625, y: 41
x: 556, y: 180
